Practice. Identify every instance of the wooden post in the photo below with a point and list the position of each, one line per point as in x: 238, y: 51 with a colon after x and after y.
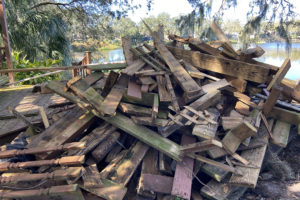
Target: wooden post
x: 88, y: 58
x: 6, y: 41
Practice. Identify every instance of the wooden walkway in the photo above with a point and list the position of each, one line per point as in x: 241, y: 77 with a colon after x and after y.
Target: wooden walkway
x: 26, y: 102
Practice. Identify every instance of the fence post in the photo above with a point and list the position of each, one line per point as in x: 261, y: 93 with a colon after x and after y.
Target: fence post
x: 88, y: 61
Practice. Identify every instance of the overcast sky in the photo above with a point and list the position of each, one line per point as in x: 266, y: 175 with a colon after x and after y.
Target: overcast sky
x: 178, y: 7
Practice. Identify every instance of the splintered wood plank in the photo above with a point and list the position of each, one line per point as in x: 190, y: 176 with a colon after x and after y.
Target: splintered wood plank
x: 198, y: 45
x: 112, y: 100
x: 133, y: 67
x: 126, y: 45
x: 195, y: 73
x: 162, y: 90
x: 281, y: 133
x: 104, y: 147
x: 64, y: 130
x: 110, y: 82
x: 67, y: 160
x: 208, y: 131
x: 242, y: 70
x: 271, y: 100
x: 249, y: 176
x: 280, y: 73
x: 155, y: 107
x: 219, y: 33
x: 104, y: 188
x: 134, y: 90
x: 157, y: 183
x: 172, y: 93
x: 68, y: 192
x: 237, y: 83
x: 285, y: 115
x: 217, y: 85
x: 124, y: 123
x: 231, y: 122
x: 182, y: 184
x: 44, y: 117
x: 200, y: 146
x: 189, y: 86
x: 128, y: 164
x: 207, y: 100
x: 235, y: 136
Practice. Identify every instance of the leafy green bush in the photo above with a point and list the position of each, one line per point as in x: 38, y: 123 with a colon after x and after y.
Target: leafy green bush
x: 20, y: 62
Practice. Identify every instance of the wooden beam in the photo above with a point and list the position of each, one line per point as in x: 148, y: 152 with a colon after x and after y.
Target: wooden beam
x: 280, y: 73
x: 200, y: 146
x: 134, y: 90
x: 285, y: 115
x: 271, y: 100
x: 242, y: 70
x: 172, y: 93
x: 110, y: 82
x: 134, y: 67
x: 164, y: 95
x: 44, y: 117
x: 126, y: 45
x: 189, y: 86
x: 214, y: 172
x: 182, y: 184
x: 112, y: 100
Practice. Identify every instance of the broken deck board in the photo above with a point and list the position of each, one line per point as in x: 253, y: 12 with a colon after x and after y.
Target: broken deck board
x: 281, y: 133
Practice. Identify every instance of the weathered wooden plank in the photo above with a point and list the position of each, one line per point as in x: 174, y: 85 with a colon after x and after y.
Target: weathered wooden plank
x: 281, y: 133
x: 219, y: 33
x: 235, y: 136
x: 280, y: 73
x: 217, y: 191
x: 140, y: 132
x: 59, y: 174
x: 271, y: 100
x: 172, y: 93
x: 189, y: 86
x: 134, y: 90
x: 134, y: 67
x: 126, y: 45
x: 104, y: 147
x: 202, y: 103
x: 217, y: 85
x: 44, y: 117
x: 140, y: 110
x: 182, y: 184
x: 128, y: 164
x: 68, y: 160
x: 157, y: 183
x: 71, y: 125
x: 214, y: 172
x: 246, y: 71
x: 242, y: 108
x: 148, y: 121
x: 200, y: 146
x: 164, y: 96
x: 112, y: 100
x: 249, y: 176
x: 198, y: 45
x: 110, y: 82
x: 155, y: 107
x: 68, y: 192
x: 285, y: 115
x: 104, y: 188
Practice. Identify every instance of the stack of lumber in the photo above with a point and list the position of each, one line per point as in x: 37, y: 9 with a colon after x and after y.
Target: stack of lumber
x: 177, y: 123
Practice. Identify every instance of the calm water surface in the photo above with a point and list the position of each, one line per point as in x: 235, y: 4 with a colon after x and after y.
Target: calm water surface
x: 275, y: 55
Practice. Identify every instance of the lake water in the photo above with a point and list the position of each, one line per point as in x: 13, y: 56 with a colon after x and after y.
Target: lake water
x: 275, y: 54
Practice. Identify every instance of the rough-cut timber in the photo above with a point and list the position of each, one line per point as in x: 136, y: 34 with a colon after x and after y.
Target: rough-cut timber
x: 243, y: 70
x: 281, y: 133
x: 189, y: 86
x: 157, y: 183
x: 280, y: 73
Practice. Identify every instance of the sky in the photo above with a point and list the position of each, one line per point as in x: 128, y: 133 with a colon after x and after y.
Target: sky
x: 177, y: 7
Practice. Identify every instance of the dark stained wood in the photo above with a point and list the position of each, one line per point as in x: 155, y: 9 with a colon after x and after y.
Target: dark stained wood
x: 157, y: 183
x: 134, y: 90
x: 246, y: 71
x: 182, y: 184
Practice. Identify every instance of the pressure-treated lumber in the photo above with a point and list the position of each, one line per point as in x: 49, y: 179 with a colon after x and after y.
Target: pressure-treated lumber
x: 112, y: 100
x: 189, y: 86
x: 280, y: 73
x: 59, y: 174
x: 68, y: 160
x: 281, y: 133
x: 140, y: 132
x: 182, y: 184
x: 242, y: 70
x: 36, y: 150
x: 140, y: 110
x: 235, y: 136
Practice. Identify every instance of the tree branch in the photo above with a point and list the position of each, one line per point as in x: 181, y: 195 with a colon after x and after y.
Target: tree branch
x: 52, y: 3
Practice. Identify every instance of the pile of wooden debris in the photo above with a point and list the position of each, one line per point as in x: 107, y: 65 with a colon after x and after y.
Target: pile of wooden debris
x: 175, y: 123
